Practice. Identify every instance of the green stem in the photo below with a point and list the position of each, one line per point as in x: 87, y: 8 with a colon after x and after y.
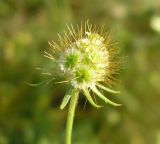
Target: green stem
x: 70, y: 118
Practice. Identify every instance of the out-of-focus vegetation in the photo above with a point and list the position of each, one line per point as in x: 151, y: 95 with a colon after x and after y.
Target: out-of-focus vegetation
x: 31, y: 115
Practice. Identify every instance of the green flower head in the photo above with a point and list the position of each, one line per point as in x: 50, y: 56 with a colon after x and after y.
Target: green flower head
x: 86, y: 59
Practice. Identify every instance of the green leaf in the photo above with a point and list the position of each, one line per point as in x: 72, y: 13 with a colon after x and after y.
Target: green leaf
x: 96, y: 91
x: 108, y: 89
x: 89, y: 98
x: 65, y: 101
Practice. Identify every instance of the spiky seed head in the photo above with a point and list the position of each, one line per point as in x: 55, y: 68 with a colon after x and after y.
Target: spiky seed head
x: 86, y: 58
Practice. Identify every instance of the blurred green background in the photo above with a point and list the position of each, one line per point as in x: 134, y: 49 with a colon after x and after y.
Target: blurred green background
x: 31, y: 115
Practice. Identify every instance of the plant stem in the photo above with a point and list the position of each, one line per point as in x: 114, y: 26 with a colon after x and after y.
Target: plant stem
x: 70, y: 118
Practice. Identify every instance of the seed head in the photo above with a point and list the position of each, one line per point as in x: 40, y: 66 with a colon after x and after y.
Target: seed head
x: 86, y: 59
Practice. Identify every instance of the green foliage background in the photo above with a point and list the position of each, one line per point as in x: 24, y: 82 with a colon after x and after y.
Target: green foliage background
x: 31, y: 115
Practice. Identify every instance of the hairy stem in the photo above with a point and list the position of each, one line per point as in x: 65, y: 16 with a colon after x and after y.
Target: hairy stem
x: 70, y: 118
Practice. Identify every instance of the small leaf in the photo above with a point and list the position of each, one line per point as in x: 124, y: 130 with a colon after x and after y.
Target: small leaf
x: 96, y: 91
x: 65, y: 101
x: 89, y: 98
x: 108, y: 89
